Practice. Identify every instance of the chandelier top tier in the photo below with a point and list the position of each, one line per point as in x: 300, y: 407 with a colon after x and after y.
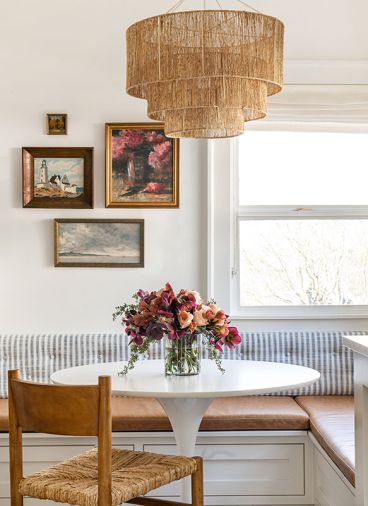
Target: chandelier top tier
x: 205, y: 72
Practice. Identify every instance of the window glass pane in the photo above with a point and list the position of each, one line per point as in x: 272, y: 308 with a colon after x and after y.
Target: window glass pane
x: 303, y: 262
x: 303, y: 168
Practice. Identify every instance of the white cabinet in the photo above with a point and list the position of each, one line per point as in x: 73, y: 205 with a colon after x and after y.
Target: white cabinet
x: 240, y: 468
x: 330, y: 487
x: 246, y: 469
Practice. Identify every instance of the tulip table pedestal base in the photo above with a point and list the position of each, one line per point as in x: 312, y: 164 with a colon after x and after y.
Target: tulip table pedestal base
x: 185, y: 415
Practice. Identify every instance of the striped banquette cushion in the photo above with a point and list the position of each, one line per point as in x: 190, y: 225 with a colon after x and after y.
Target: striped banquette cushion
x: 38, y: 356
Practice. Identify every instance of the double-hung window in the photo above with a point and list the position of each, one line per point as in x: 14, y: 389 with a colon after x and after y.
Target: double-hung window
x: 289, y: 224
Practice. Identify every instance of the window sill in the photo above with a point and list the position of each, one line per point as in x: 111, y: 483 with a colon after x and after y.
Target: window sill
x: 297, y: 313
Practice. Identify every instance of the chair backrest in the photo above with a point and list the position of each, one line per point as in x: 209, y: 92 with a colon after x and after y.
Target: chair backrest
x: 64, y: 410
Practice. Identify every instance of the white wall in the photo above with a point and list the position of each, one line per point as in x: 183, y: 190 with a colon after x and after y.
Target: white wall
x: 68, y: 56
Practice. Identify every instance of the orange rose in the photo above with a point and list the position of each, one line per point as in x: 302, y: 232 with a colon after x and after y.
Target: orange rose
x: 208, y: 311
x: 185, y: 318
x: 224, y: 331
x: 199, y: 318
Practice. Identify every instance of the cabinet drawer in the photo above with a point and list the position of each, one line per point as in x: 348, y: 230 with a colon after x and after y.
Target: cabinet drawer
x: 245, y: 469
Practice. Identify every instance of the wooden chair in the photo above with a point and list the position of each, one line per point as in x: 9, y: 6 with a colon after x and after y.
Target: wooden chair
x: 104, y: 476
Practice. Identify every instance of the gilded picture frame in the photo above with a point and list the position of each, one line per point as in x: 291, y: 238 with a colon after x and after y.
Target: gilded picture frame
x: 142, y: 166
x: 99, y: 243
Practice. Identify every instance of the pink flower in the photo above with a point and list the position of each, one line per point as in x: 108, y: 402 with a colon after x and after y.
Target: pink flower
x: 223, y: 331
x: 155, y: 137
x: 233, y: 338
x: 209, y: 312
x: 187, y: 300
x: 213, y: 308
x: 142, y: 293
x: 199, y: 318
x: 196, y: 296
x: 161, y: 156
x: 185, y: 319
x: 117, y: 147
x: 132, y: 138
x: 220, y: 318
x: 218, y: 345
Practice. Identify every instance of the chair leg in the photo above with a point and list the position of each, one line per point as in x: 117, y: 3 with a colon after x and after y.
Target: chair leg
x: 197, y: 484
x: 16, y: 499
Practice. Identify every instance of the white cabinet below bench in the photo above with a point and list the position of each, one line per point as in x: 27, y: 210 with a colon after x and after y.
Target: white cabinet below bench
x: 246, y: 469
x: 331, y: 488
x: 240, y: 468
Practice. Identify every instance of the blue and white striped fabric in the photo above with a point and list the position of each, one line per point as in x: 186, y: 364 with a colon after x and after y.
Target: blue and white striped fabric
x: 38, y: 356
x: 322, y: 351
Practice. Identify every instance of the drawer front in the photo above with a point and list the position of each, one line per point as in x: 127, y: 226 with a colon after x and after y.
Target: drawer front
x: 245, y: 469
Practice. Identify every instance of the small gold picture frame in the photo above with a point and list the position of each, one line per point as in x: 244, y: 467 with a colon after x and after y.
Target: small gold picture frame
x: 57, y: 124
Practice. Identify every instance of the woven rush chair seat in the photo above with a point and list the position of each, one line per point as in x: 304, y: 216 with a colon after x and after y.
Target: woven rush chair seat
x: 75, y: 481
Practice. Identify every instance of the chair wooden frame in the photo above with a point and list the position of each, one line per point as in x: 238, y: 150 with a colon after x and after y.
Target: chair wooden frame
x: 53, y: 409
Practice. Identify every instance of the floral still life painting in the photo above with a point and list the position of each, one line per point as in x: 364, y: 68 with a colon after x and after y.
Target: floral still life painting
x: 142, y: 166
x: 184, y: 320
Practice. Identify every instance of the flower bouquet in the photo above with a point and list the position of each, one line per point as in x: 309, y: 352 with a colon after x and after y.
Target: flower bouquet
x: 184, y: 320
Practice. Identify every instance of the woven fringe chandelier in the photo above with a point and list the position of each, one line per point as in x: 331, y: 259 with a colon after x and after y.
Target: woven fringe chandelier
x: 206, y: 72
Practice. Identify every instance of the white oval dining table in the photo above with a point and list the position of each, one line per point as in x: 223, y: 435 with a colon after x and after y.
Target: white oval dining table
x: 185, y: 399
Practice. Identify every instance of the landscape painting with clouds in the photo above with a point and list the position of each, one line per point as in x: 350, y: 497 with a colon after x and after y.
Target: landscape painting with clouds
x: 99, y: 243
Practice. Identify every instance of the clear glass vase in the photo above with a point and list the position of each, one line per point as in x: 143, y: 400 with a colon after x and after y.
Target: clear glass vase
x: 183, y: 356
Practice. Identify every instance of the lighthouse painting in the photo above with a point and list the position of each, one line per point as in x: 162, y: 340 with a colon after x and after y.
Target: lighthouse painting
x: 58, y: 177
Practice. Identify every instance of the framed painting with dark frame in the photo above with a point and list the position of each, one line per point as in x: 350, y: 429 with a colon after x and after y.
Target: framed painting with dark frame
x: 99, y: 243
x: 142, y: 166
x: 58, y: 177
x: 57, y: 123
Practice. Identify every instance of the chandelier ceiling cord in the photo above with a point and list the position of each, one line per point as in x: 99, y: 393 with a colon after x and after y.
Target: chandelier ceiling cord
x: 206, y: 72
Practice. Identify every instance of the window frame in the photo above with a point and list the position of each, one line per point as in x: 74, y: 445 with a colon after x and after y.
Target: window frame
x: 224, y: 216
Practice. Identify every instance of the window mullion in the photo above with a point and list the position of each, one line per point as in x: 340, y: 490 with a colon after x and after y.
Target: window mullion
x: 302, y: 212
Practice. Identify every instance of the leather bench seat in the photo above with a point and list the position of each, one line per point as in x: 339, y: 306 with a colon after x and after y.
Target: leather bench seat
x: 332, y: 424
x: 230, y: 413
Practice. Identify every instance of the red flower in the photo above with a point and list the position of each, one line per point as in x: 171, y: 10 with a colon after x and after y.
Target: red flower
x: 233, y: 338
x: 153, y: 188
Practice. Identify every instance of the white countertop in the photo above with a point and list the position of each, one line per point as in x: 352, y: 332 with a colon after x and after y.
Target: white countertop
x: 359, y: 344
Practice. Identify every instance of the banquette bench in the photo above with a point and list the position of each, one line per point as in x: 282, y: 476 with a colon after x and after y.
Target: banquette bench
x: 312, y: 428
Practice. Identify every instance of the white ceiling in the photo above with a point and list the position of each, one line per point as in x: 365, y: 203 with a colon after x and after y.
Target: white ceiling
x: 314, y: 29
